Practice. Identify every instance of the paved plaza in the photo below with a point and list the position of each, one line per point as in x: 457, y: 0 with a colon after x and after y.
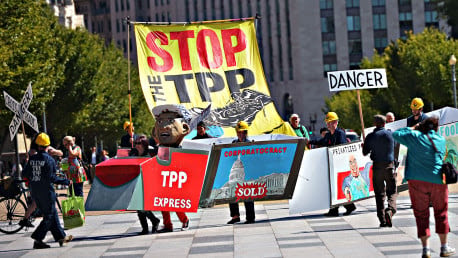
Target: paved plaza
x: 275, y: 234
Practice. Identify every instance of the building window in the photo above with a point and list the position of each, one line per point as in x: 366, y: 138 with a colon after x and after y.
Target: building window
x: 329, y: 68
x: 380, y: 44
x: 405, y: 23
x: 431, y: 17
x: 122, y: 5
x: 186, y: 7
x: 127, y: 5
x: 354, y: 65
x: 196, y: 11
x: 147, y: 4
x: 327, y: 24
x: 116, y: 5
x: 353, y: 23
x: 355, y: 46
x: 379, y: 21
x: 406, y: 16
x: 378, y: 2
x: 329, y: 47
x: 124, y: 45
x: 404, y: 2
x: 326, y: 4
x: 117, y: 25
x: 351, y: 3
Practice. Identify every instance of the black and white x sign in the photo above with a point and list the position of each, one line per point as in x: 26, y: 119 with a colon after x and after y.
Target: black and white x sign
x: 20, y: 111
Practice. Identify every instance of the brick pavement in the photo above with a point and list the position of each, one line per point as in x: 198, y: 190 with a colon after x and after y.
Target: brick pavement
x: 276, y: 234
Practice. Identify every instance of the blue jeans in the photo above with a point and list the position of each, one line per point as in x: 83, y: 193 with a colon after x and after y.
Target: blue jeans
x: 78, y: 187
x: 50, y: 220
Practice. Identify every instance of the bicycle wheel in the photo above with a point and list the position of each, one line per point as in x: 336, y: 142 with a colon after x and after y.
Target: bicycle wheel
x: 11, y: 212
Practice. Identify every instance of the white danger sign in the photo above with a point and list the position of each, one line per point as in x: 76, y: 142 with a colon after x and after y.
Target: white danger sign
x: 20, y: 111
x: 357, y: 79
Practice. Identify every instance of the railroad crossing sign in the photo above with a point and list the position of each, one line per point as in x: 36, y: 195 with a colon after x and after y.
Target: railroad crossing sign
x: 20, y: 111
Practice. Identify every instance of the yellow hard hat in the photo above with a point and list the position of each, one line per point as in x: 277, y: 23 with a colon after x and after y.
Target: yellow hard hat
x: 43, y: 140
x: 127, y: 124
x: 241, y: 126
x: 417, y: 103
x: 331, y: 116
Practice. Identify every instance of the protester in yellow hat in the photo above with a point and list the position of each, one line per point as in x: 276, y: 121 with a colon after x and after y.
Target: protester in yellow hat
x: 334, y: 136
x: 417, y: 112
x: 128, y: 139
x: 41, y: 172
x: 242, y: 132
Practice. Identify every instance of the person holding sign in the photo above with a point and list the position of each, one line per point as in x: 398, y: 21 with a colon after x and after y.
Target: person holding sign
x: 41, y: 172
x: 242, y: 132
x: 380, y: 145
x: 129, y: 137
x: 417, y: 112
x: 334, y: 136
x: 170, y: 128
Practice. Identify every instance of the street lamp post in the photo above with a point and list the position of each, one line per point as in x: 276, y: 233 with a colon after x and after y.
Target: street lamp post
x: 452, y: 63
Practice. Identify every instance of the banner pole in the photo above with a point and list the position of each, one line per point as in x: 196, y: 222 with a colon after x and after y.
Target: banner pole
x: 128, y: 80
x: 198, y: 22
x: 361, y: 115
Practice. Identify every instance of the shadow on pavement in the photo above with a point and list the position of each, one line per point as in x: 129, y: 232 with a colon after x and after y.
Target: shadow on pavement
x: 105, y: 237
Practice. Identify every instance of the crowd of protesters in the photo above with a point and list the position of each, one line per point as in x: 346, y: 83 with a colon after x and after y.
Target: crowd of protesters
x: 425, y: 157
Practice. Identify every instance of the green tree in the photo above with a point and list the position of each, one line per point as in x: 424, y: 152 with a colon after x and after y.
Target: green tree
x: 416, y: 67
x: 29, y: 52
x: 81, y: 82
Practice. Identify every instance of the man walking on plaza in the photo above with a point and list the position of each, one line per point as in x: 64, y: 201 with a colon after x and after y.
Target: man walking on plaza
x: 41, y: 172
x: 334, y: 136
x: 380, y: 145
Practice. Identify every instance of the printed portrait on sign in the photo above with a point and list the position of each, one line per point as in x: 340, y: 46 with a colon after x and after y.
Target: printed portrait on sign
x: 350, y: 174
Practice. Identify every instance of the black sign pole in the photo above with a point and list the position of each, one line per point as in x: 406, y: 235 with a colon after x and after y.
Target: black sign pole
x: 16, y: 147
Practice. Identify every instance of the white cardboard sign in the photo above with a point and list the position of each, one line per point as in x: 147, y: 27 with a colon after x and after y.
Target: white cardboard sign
x: 357, y: 79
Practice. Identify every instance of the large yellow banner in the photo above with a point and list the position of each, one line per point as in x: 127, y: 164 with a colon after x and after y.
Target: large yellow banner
x: 215, y: 63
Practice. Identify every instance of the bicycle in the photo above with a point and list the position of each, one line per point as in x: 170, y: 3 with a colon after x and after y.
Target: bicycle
x: 14, y: 205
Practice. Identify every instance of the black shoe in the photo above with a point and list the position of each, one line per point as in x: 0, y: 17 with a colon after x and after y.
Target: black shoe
x: 185, y: 226
x: 388, y: 218
x: 232, y: 221
x: 26, y: 223
x: 40, y: 245
x: 383, y: 225
x: 249, y: 222
x: 332, y: 213
x: 165, y: 230
x: 349, y: 210
x: 155, y: 225
x: 144, y: 232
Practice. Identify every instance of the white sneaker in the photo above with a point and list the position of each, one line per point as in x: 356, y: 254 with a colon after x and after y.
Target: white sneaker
x: 447, y: 251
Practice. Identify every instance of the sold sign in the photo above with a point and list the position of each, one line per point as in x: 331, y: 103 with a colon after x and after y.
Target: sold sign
x: 20, y: 111
x: 250, y: 191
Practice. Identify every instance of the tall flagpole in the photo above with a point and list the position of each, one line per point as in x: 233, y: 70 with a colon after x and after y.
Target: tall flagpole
x: 128, y: 81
